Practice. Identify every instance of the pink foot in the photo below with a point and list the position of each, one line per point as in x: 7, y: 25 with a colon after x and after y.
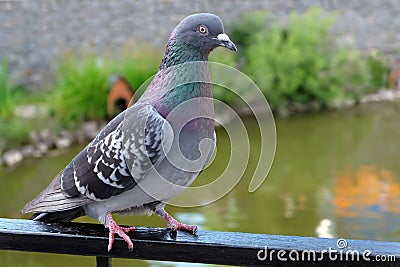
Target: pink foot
x: 121, y: 231
x: 175, y: 225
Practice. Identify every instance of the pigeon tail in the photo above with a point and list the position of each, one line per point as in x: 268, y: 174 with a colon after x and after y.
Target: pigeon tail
x: 53, y: 199
x: 59, y: 216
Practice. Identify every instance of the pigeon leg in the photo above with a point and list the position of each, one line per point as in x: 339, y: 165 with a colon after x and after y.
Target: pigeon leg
x: 174, y: 224
x: 121, y: 231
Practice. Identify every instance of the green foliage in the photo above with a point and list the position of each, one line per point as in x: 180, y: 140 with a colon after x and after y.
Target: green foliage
x: 137, y: 67
x: 379, y: 72
x: 301, y: 64
x: 80, y: 91
x: 14, y: 132
x: 7, y: 94
x: 298, y: 64
x: 295, y: 64
x: 82, y: 84
x: 243, y: 30
x: 222, y: 56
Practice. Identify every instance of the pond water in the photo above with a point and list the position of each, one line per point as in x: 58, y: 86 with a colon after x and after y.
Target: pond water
x: 335, y: 174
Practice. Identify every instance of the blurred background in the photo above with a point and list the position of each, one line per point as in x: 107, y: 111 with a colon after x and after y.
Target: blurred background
x: 330, y: 71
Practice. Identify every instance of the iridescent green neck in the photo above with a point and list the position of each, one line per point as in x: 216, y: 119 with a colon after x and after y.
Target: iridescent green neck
x: 178, y: 52
x: 183, y: 75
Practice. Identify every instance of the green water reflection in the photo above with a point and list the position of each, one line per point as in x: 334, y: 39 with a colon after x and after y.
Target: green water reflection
x: 335, y: 174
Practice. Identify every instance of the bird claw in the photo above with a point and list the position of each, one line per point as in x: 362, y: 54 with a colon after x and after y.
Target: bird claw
x: 175, y: 225
x: 121, y: 231
x: 184, y: 227
x: 194, y: 230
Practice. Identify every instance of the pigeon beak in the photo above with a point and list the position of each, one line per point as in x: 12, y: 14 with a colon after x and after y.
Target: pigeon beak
x: 226, y: 42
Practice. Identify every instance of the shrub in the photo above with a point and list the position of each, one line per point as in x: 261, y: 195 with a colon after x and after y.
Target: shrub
x: 82, y: 84
x: 378, y: 70
x: 243, y: 30
x: 295, y: 64
x: 227, y: 58
x: 7, y: 94
x: 80, y: 90
x: 301, y: 64
x: 14, y: 132
x: 138, y: 66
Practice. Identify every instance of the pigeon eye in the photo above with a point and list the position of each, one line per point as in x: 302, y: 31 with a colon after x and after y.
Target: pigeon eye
x: 202, y: 29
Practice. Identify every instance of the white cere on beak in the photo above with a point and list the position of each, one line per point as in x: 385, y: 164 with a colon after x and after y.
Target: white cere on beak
x: 223, y: 37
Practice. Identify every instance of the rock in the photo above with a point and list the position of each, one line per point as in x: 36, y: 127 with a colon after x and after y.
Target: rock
x: 12, y: 157
x: 34, y: 137
x: 90, y: 129
x: 65, y: 133
x: 79, y: 137
x: 43, y: 136
x: 40, y: 150
x: 63, y: 142
x: 29, y: 111
x: 52, y: 33
x: 28, y: 151
x: 47, y: 137
x: 382, y: 95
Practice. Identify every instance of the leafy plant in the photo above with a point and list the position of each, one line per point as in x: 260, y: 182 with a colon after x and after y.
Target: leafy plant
x: 300, y: 64
x: 230, y: 60
x: 82, y: 84
x: 243, y: 30
x: 138, y: 66
x: 7, y: 95
x: 80, y: 91
x: 14, y: 132
x: 378, y: 70
x: 294, y: 64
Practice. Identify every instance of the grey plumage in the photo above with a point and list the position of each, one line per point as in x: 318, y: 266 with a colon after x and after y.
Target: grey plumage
x: 134, y: 164
x: 100, y: 171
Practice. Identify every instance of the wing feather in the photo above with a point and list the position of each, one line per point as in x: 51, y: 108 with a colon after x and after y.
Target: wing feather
x: 124, y: 151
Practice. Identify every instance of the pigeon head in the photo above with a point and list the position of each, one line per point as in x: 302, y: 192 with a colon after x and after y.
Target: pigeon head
x: 192, y: 40
x: 195, y: 37
x: 203, y: 32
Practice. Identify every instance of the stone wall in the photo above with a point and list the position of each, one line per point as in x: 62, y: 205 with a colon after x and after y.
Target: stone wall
x: 34, y: 33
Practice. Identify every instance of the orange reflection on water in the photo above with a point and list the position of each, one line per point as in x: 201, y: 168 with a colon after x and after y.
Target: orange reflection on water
x: 366, y: 192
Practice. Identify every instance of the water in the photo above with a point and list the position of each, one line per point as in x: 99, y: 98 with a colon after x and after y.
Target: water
x: 335, y: 174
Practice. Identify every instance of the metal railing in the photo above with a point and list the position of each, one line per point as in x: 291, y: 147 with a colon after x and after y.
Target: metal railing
x: 227, y: 248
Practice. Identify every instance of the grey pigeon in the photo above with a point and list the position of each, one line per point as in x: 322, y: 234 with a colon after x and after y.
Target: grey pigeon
x: 143, y: 157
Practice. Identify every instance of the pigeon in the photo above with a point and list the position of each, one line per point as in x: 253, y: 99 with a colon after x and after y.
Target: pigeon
x: 143, y: 158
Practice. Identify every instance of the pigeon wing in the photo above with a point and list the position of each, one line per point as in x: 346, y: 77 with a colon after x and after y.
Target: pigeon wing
x: 123, y: 152
x: 113, y: 163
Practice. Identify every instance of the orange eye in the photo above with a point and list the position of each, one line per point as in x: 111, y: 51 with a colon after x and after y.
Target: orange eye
x: 202, y: 29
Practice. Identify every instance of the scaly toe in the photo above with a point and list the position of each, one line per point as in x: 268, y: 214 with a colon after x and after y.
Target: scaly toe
x: 194, y: 229
x: 188, y: 228
x: 173, y: 227
x: 128, y: 229
x: 121, y: 231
